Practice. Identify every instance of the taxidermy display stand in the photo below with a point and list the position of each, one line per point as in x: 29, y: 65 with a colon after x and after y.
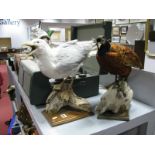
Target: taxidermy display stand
x: 115, y: 103
x: 63, y: 105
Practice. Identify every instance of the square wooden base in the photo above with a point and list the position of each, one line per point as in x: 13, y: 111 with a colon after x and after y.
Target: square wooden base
x: 65, y: 115
x: 124, y: 116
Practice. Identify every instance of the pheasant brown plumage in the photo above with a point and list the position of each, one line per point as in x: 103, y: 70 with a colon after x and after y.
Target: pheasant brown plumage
x: 117, y: 59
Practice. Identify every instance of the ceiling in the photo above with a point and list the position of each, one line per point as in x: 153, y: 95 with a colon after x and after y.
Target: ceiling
x: 59, y: 23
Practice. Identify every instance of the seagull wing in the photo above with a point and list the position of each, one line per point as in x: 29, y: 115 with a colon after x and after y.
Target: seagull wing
x: 63, y: 44
x: 69, y: 57
x: 63, y: 61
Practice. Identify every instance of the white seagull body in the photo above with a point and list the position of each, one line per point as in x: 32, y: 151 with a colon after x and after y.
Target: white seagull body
x: 61, y: 61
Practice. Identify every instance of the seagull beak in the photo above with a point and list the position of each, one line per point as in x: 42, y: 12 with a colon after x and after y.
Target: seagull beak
x: 30, y: 54
x: 30, y: 44
x: 33, y: 47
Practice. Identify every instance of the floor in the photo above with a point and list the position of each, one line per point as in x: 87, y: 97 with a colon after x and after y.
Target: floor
x: 5, y: 103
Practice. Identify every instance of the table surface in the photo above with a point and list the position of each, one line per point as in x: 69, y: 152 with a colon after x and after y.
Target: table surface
x: 86, y: 126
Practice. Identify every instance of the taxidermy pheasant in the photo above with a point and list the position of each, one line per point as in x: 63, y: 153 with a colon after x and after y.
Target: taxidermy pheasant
x: 116, y: 59
x: 62, y: 62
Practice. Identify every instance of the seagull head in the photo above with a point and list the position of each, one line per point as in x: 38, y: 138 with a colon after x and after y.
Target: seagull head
x: 38, y: 46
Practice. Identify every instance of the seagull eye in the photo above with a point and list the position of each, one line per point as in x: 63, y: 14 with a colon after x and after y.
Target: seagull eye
x: 37, y: 42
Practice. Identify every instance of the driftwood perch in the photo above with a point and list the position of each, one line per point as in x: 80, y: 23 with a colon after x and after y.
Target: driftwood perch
x: 63, y: 95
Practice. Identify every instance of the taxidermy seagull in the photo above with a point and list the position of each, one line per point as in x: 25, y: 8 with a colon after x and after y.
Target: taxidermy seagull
x: 62, y: 62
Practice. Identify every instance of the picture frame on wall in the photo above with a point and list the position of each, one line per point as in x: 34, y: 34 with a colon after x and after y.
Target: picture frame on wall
x: 123, y: 40
x: 116, y: 31
x: 124, y: 29
x: 122, y: 21
x: 138, y: 20
x: 116, y: 39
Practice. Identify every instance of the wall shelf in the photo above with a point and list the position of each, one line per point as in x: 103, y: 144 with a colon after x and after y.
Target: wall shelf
x: 140, y: 113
